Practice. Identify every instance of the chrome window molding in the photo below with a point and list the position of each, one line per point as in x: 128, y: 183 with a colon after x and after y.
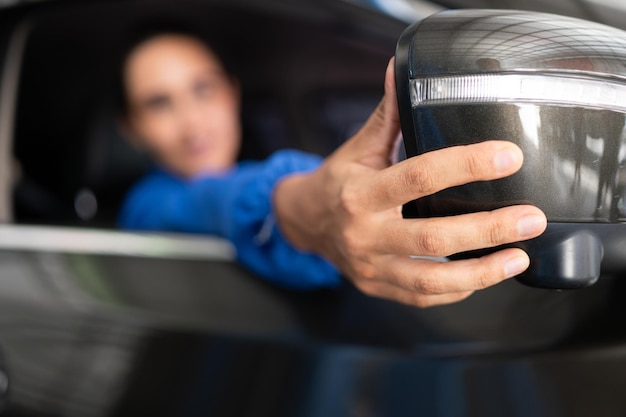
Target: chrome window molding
x: 104, y: 242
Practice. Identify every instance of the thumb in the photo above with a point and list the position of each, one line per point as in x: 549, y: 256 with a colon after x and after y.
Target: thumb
x: 377, y: 138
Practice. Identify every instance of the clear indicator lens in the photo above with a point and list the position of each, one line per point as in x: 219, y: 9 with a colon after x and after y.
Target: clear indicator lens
x: 519, y: 88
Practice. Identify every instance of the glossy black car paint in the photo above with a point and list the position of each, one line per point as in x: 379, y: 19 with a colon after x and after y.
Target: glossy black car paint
x: 91, y: 327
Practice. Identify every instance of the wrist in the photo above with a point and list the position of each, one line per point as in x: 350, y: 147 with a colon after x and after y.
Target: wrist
x: 294, y: 205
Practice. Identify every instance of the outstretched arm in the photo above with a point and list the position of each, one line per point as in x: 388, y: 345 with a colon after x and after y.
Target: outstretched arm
x: 349, y: 211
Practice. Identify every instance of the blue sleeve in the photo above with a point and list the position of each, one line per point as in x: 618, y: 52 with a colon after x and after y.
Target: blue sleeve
x: 236, y: 206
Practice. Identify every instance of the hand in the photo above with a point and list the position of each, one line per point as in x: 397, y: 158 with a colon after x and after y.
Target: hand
x: 349, y: 211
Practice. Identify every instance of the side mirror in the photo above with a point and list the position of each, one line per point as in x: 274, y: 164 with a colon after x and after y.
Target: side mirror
x: 555, y: 86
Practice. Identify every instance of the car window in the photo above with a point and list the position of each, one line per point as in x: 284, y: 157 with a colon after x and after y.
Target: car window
x: 75, y: 163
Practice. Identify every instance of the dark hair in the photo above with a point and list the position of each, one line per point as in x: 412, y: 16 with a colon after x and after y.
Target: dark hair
x: 145, y: 31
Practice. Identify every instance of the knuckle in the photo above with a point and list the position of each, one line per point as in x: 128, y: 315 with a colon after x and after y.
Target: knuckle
x: 352, y: 244
x: 484, y: 278
x: 432, y: 243
x: 421, y: 178
x: 350, y: 201
x: 427, y: 285
x: 476, y: 165
x: 495, y: 234
x: 365, y: 272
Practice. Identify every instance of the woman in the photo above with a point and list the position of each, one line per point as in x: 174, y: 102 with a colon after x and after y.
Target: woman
x: 296, y: 219
x: 182, y: 107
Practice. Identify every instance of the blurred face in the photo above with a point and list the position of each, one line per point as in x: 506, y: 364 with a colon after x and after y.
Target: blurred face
x: 183, y: 107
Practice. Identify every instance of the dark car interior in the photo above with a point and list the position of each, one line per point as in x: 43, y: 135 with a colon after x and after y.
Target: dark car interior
x: 305, y: 85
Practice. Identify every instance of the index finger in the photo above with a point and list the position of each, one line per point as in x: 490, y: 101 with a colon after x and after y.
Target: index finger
x: 434, y: 171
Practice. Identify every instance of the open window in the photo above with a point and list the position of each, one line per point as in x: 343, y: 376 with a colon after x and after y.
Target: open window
x: 306, y: 85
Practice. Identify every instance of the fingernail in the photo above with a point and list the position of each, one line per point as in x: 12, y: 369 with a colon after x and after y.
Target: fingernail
x: 504, y: 160
x: 515, y: 266
x: 530, y: 226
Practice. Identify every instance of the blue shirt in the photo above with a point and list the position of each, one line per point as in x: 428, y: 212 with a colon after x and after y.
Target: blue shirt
x: 236, y: 205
